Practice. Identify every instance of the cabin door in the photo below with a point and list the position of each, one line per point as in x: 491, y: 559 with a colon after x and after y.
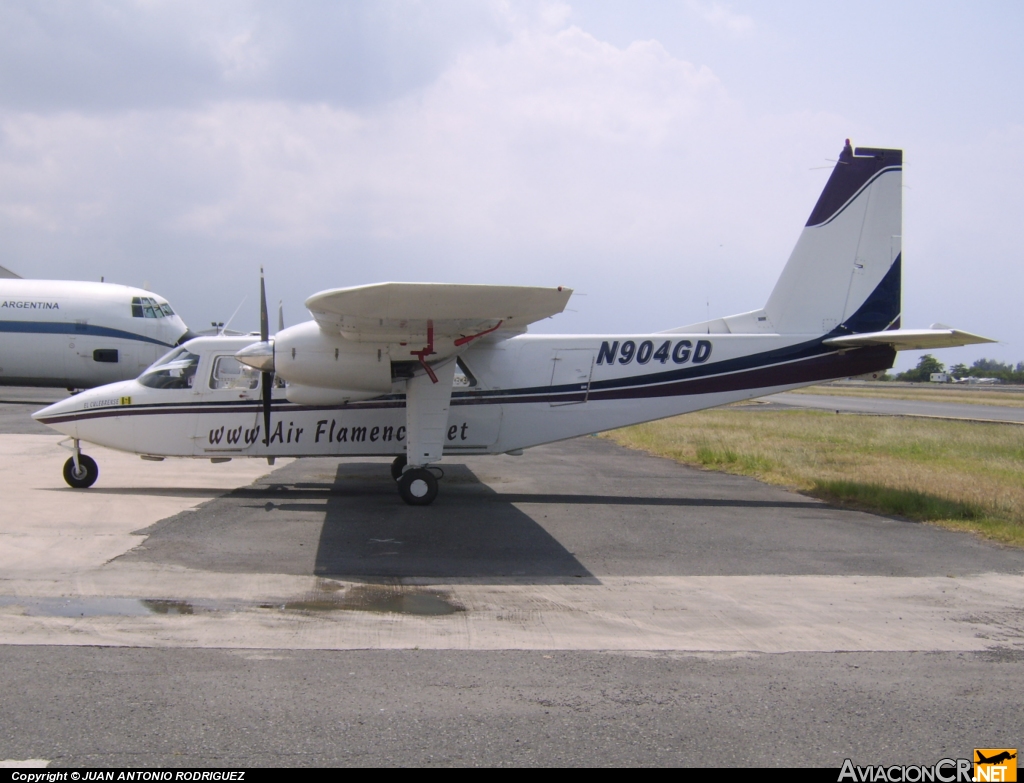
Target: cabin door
x: 228, y: 422
x: 570, y: 376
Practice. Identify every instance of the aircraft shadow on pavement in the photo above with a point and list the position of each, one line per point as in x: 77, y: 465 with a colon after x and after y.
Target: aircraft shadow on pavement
x: 357, y: 527
x: 368, y: 531
x: 628, y: 500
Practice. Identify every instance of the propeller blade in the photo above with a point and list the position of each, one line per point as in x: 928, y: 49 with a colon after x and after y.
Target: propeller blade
x: 268, y: 385
x: 264, y: 320
x: 280, y: 316
x: 268, y: 377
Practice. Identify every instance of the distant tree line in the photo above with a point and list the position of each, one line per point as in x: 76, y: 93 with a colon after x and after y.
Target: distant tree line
x: 983, y: 368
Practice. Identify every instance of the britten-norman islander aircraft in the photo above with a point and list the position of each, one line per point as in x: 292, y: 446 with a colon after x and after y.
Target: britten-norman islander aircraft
x: 419, y: 370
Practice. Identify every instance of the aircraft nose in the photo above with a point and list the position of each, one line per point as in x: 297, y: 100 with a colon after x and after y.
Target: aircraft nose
x: 60, y: 408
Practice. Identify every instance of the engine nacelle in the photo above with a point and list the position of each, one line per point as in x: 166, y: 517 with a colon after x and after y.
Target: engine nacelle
x: 316, y: 395
x: 304, y: 355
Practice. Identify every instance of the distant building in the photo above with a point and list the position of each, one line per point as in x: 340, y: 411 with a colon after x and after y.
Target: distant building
x: 939, y: 377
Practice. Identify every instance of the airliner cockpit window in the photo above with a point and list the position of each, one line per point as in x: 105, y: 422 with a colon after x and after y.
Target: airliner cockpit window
x: 177, y: 370
x: 229, y: 373
x: 148, y: 307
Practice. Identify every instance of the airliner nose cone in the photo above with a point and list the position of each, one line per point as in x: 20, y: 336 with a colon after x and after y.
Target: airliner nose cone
x: 259, y: 355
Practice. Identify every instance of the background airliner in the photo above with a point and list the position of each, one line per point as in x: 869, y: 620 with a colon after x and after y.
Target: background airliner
x: 77, y: 334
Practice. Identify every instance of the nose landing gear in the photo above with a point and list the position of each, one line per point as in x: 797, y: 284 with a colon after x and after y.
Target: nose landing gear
x: 80, y: 471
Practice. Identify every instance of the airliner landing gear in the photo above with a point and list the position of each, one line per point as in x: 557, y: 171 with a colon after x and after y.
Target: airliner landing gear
x: 82, y: 475
x: 398, y: 466
x: 418, y: 487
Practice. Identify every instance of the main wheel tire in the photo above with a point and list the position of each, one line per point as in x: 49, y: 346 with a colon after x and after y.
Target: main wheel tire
x: 85, y: 475
x: 398, y: 466
x: 418, y: 487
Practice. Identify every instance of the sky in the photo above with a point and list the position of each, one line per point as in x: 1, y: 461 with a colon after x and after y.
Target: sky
x: 660, y: 158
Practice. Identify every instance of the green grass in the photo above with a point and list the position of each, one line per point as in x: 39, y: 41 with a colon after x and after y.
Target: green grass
x: 961, y: 475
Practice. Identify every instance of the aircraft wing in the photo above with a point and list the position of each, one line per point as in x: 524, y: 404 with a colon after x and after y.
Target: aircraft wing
x: 400, y: 312
x: 909, y: 339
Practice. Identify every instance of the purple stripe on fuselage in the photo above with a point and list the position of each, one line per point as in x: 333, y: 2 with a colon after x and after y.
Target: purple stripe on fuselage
x: 838, y: 364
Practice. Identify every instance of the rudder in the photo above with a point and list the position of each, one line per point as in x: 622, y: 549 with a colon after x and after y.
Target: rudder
x: 844, y: 275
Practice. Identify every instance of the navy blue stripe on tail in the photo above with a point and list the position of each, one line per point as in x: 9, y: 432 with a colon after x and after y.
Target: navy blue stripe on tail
x: 852, y: 172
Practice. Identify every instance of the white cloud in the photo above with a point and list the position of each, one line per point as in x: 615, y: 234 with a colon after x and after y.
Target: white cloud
x: 552, y: 157
x: 542, y: 156
x: 723, y: 17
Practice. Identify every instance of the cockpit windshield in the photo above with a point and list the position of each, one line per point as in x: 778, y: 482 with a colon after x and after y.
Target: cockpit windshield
x: 148, y: 307
x: 176, y: 370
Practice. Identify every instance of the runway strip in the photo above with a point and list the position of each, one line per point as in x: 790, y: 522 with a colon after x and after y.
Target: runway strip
x: 920, y: 408
x: 62, y: 583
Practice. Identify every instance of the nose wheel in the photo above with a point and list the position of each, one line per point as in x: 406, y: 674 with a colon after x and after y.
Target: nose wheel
x: 82, y: 475
x: 418, y: 487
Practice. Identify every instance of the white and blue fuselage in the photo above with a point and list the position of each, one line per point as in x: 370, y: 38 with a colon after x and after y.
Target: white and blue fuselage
x: 509, y: 394
x: 81, y: 334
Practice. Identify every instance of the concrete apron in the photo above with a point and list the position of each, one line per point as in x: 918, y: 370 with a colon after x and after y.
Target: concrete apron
x: 58, y: 585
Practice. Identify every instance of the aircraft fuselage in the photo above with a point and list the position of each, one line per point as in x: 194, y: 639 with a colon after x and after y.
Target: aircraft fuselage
x: 515, y: 393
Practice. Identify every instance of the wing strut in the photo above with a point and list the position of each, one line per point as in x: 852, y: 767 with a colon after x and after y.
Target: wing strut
x: 427, y: 398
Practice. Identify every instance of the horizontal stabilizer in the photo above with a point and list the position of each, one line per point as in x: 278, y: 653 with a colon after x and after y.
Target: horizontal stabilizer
x: 909, y: 339
x: 396, y: 311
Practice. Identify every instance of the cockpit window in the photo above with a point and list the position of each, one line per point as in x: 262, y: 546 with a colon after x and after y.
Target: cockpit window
x: 148, y: 307
x: 177, y: 370
x: 229, y: 373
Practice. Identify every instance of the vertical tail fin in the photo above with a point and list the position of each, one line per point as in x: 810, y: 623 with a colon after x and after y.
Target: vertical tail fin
x: 843, y: 275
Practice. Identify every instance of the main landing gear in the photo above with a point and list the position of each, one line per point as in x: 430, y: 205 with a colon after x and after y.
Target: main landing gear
x: 398, y: 466
x: 427, y: 399
x: 416, y: 486
x: 80, y: 471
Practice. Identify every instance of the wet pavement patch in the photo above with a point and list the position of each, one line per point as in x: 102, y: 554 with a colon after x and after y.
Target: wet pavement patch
x: 382, y: 599
x: 87, y: 606
x: 168, y: 607
x: 329, y: 596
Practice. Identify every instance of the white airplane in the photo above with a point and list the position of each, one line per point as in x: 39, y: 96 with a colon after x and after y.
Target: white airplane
x: 80, y: 334
x: 420, y: 370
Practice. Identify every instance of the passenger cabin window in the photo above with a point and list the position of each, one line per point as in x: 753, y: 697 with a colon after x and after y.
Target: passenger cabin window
x: 177, y: 370
x: 229, y: 373
x: 105, y: 355
x: 148, y: 307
